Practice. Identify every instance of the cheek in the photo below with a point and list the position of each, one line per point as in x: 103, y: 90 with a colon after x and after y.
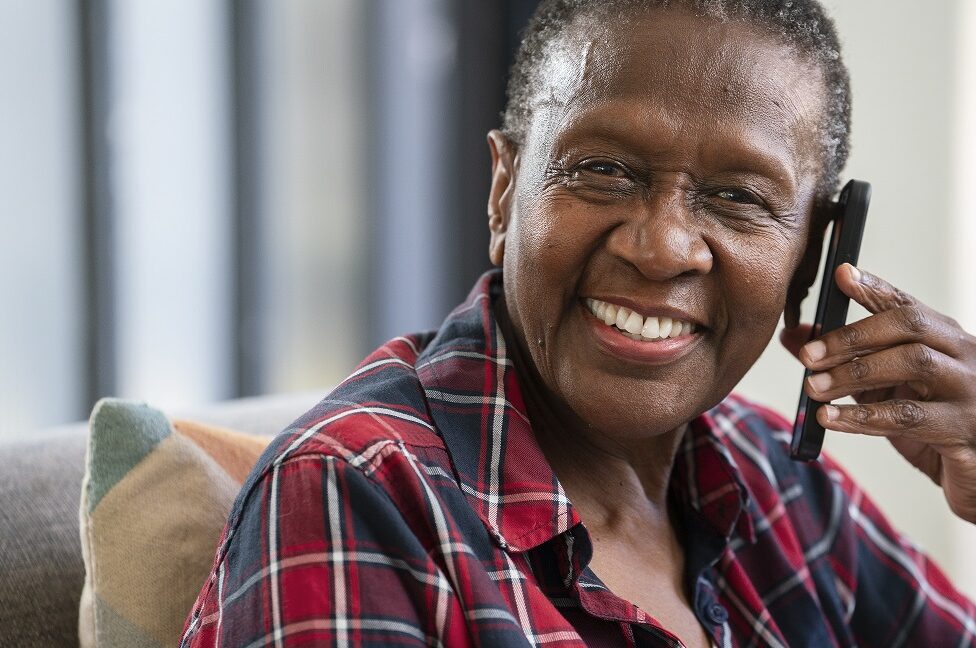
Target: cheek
x: 550, y: 238
x: 760, y: 283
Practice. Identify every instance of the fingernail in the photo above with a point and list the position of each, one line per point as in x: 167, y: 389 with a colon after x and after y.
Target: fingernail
x: 831, y: 412
x: 856, y: 274
x: 820, y: 382
x: 815, y: 350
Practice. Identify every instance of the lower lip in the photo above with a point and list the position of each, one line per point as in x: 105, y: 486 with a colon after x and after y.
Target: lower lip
x: 612, y: 341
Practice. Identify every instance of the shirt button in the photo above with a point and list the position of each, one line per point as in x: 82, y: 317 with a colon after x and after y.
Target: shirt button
x: 717, y: 614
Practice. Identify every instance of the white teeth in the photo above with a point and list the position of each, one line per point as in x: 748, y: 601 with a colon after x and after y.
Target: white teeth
x: 623, y: 315
x: 665, y: 327
x: 636, y: 327
x: 652, y: 328
x: 634, y: 323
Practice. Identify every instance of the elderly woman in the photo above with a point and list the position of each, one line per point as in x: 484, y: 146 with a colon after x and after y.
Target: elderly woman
x: 561, y: 464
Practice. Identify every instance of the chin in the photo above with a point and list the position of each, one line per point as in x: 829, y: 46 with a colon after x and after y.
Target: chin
x: 655, y: 408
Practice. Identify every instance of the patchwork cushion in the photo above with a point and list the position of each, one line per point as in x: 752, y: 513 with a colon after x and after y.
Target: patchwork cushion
x: 154, y: 500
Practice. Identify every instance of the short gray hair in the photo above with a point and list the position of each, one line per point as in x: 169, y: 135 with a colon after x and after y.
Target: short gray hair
x: 800, y: 24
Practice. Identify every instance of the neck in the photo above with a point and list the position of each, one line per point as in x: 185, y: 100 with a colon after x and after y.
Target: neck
x: 613, y: 482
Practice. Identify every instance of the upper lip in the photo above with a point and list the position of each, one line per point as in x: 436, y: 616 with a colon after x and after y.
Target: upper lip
x: 650, y: 310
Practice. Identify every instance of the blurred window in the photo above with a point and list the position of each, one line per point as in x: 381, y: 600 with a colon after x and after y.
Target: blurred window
x: 206, y: 199
x: 41, y: 266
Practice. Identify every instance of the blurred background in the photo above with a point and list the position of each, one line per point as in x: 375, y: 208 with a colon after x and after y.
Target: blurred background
x: 209, y: 199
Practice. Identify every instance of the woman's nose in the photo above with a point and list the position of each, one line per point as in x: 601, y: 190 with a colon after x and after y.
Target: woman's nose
x: 662, y: 239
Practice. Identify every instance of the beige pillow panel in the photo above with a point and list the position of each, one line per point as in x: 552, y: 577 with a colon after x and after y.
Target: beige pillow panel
x: 155, y: 498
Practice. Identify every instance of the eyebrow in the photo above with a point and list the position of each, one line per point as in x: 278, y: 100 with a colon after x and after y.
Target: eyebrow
x: 737, y: 152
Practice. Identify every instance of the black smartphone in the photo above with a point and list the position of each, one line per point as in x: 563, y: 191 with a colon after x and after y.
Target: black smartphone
x: 851, y: 210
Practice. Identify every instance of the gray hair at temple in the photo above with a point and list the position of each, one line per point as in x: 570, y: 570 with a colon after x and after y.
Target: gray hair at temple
x: 802, y: 25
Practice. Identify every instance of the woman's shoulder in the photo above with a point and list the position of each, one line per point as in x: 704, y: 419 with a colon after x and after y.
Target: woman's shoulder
x: 376, y: 418
x: 382, y: 402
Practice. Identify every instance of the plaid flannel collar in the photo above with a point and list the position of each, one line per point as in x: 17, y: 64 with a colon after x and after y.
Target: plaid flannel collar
x: 497, y: 461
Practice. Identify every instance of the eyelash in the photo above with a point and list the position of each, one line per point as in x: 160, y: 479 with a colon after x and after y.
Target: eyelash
x: 621, y: 172
x: 751, y: 198
x: 592, y: 165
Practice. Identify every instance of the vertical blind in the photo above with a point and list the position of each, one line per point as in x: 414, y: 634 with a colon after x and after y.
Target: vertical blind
x: 206, y: 199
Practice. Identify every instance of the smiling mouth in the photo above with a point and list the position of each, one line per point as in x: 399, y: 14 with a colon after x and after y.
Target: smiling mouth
x: 636, y: 327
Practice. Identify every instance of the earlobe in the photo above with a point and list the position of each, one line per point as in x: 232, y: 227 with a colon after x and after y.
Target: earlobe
x: 503, y: 166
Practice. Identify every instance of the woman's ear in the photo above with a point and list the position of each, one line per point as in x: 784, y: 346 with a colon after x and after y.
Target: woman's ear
x: 806, y: 272
x: 504, y: 160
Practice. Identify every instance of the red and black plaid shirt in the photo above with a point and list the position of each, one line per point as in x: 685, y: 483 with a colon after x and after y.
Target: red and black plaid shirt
x: 412, y: 506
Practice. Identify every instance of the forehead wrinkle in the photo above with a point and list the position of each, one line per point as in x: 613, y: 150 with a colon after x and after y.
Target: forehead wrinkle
x: 733, y: 71
x: 656, y: 136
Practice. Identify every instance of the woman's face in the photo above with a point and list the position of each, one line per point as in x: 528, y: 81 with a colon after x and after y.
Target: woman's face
x: 669, y: 169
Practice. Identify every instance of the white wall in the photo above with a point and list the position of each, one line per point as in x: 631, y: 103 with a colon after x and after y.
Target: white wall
x: 964, y: 229
x: 907, y: 81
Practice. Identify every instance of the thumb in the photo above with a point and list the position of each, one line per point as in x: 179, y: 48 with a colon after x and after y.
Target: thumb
x: 794, y: 338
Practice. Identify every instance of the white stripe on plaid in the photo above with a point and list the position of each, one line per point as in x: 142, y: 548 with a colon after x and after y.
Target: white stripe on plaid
x: 833, y: 526
x: 490, y: 613
x: 273, y: 558
x: 732, y: 432
x: 408, y: 342
x: 895, y: 553
x: 515, y: 498
x: 374, y: 365
x: 518, y: 593
x: 220, y: 600
x: 473, y: 355
x: 340, y: 605
x: 470, y: 399
x: 447, y: 547
x: 795, y: 579
x: 917, y: 608
x: 496, y: 432
x: 384, y: 625
x: 758, y: 624
x: 374, y: 411
x: 438, y: 580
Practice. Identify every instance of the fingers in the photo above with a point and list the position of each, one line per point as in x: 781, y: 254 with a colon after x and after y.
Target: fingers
x: 871, y: 291
x: 793, y: 338
x: 917, y: 365
x: 900, y: 325
x: 930, y: 423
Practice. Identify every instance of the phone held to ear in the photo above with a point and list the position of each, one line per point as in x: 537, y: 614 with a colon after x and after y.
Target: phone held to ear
x: 851, y: 210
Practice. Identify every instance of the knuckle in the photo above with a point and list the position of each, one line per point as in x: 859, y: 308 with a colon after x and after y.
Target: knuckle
x: 923, y: 359
x: 906, y: 413
x: 901, y: 298
x: 859, y: 369
x: 860, y: 414
x: 967, y: 340
x: 850, y: 336
x: 914, y: 319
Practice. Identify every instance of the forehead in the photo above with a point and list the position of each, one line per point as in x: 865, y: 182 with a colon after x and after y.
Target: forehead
x: 681, y: 73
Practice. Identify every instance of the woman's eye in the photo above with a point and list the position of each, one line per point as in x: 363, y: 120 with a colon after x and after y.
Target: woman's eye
x: 737, y: 196
x: 608, y: 169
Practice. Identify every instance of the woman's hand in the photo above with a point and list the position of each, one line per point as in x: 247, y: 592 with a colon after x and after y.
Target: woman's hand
x: 912, y: 372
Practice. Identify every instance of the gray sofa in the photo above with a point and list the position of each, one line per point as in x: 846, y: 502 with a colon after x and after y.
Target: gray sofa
x: 41, y: 570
